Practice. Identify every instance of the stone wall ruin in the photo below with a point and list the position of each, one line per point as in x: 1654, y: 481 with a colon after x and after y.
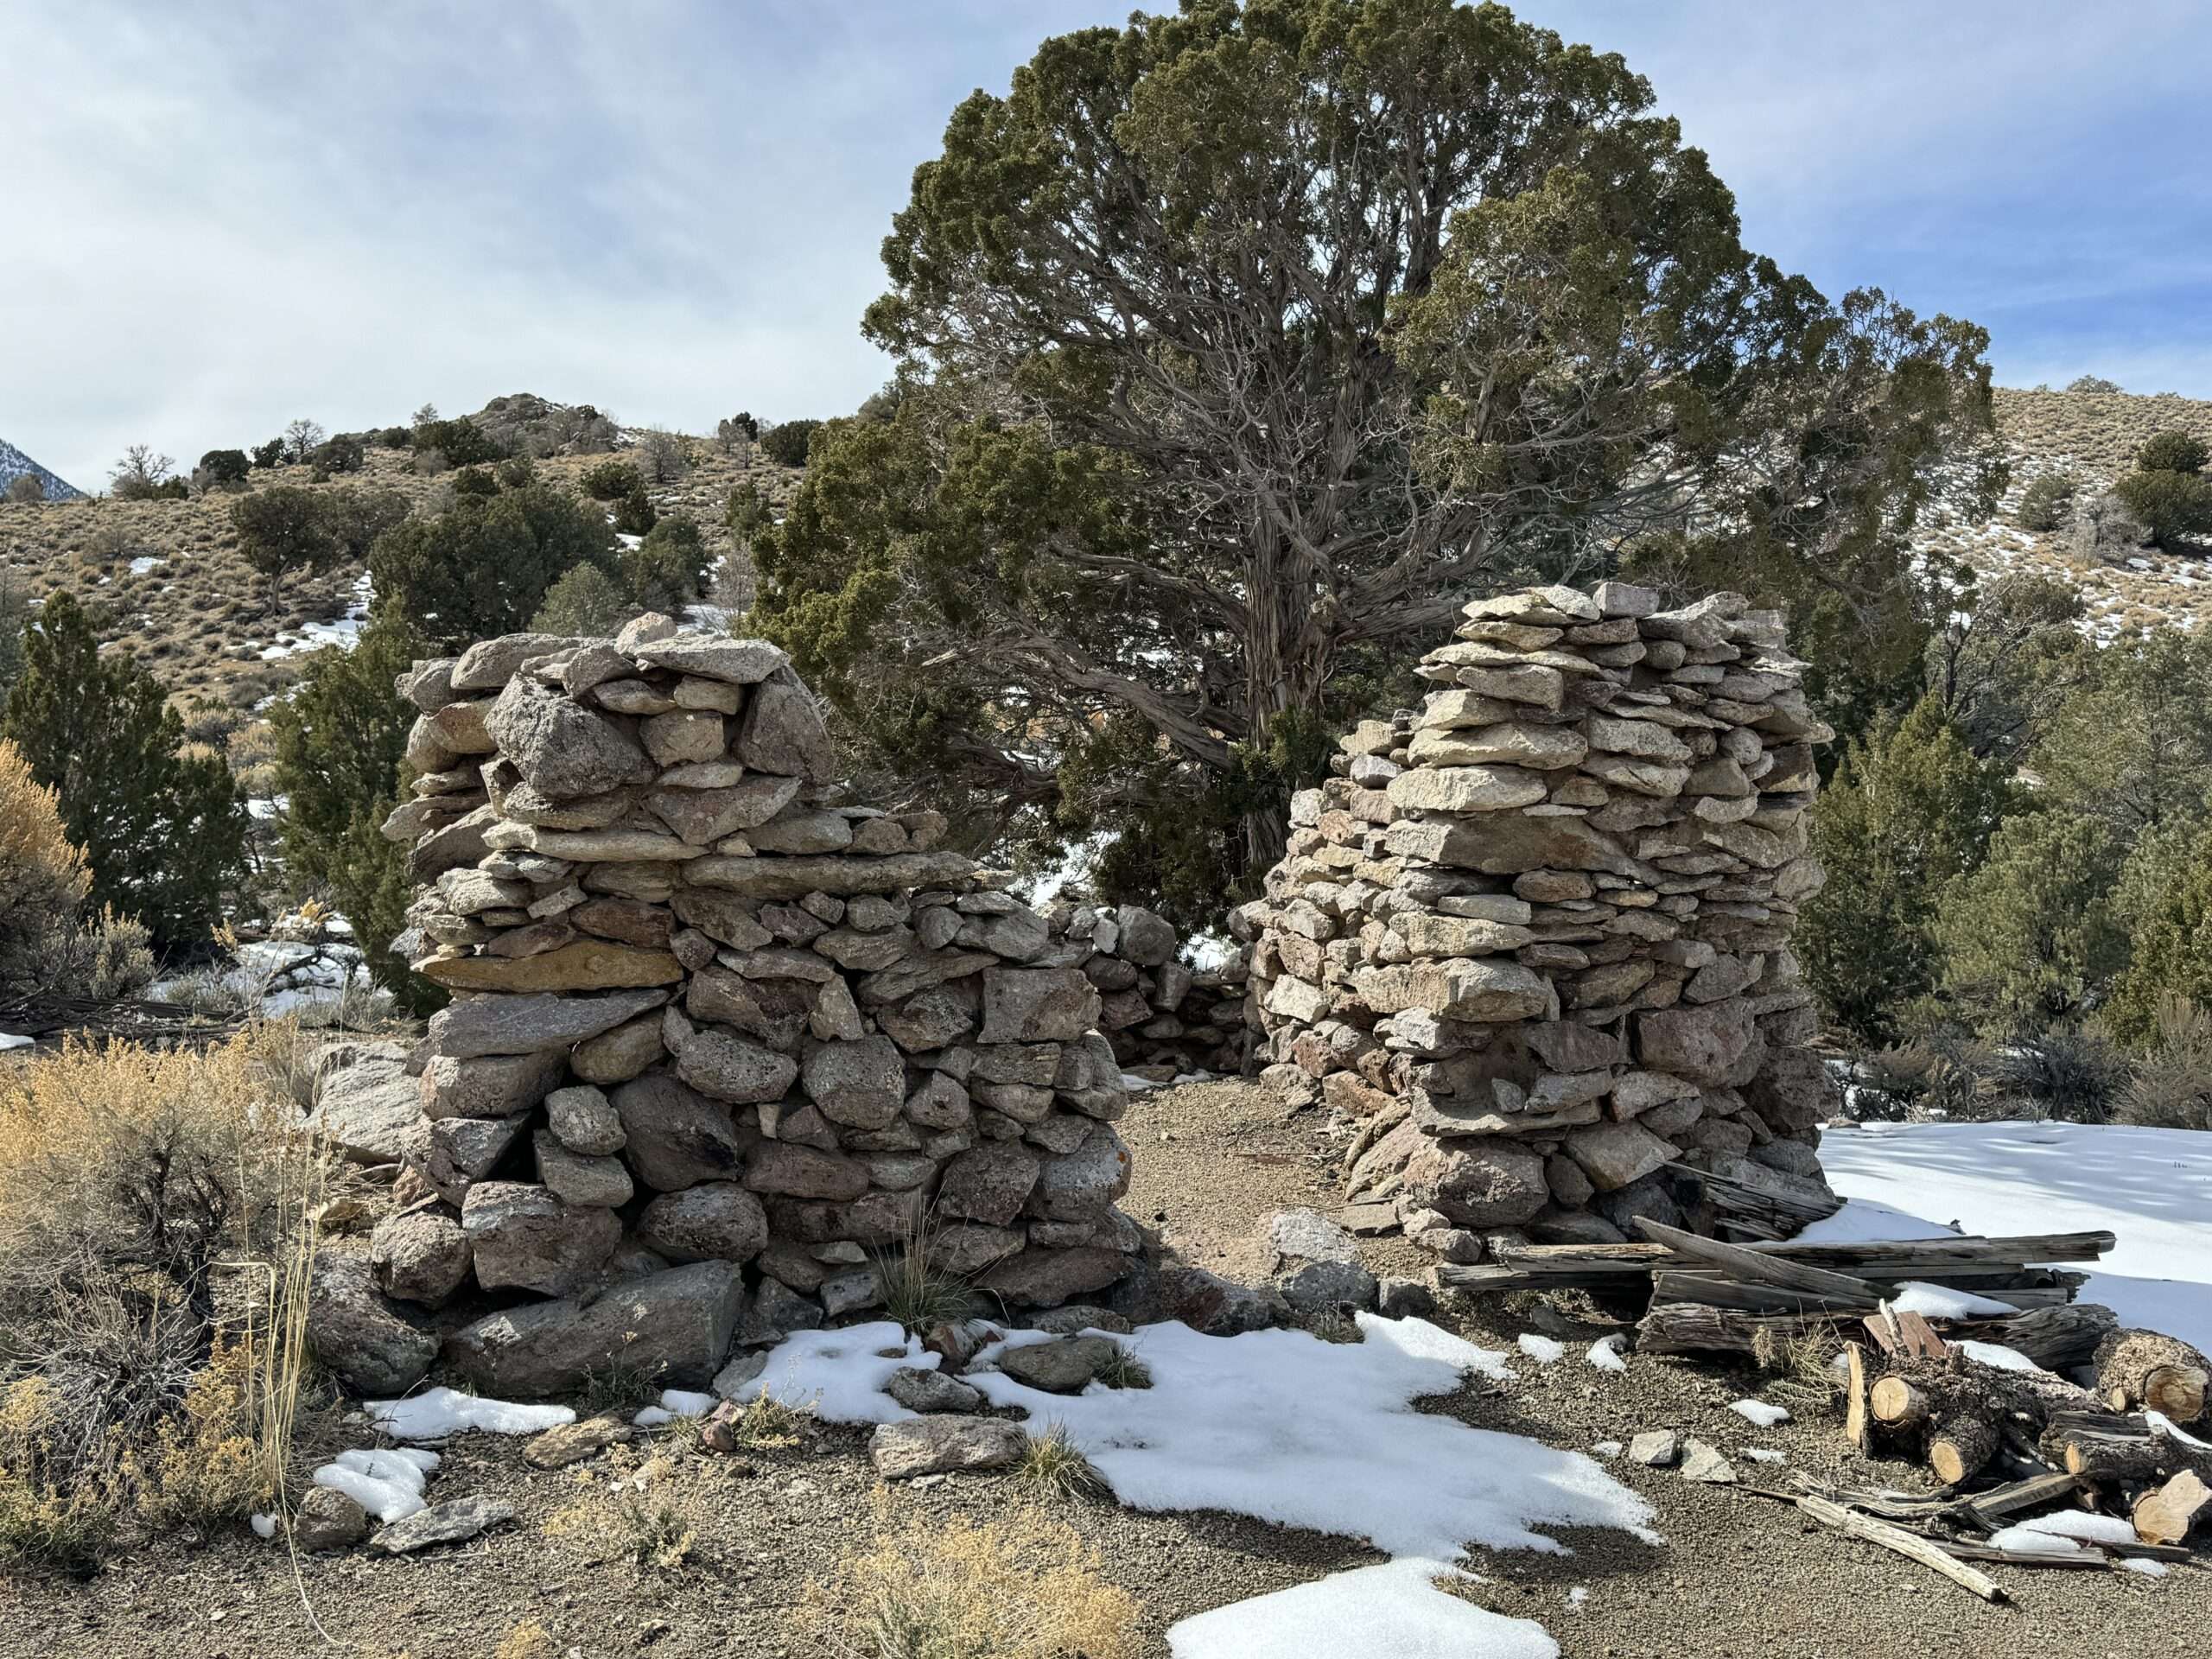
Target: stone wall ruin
x: 1533, y: 944
x: 712, y: 1021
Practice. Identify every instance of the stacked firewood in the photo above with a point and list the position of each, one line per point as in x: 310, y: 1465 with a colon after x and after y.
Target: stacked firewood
x: 1968, y: 1356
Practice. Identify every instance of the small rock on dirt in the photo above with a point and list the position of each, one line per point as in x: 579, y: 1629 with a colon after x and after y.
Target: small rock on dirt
x: 1655, y: 1448
x: 1404, y: 1299
x: 556, y: 1448
x: 930, y: 1446
x: 1065, y: 1366
x: 327, y: 1519
x: 931, y: 1392
x: 1703, y: 1462
x: 442, y: 1523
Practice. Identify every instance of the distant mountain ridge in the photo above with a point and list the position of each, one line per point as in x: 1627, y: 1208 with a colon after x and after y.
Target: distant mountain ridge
x: 13, y: 463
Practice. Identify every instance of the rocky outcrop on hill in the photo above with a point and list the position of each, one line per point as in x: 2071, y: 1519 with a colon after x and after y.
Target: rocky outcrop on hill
x: 707, y: 1011
x: 1533, y: 945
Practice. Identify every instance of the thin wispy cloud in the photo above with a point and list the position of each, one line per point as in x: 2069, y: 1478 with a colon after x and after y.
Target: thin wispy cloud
x: 239, y: 213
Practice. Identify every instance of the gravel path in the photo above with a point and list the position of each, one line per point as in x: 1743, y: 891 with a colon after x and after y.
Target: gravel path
x: 1739, y: 1578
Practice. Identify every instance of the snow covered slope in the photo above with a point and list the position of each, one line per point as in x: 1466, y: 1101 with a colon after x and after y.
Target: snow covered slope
x: 13, y: 463
x: 2152, y: 1188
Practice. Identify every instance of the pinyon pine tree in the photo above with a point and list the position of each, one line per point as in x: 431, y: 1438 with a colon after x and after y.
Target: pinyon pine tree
x: 163, y: 830
x: 1238, y: 348
x: 1910, y: 810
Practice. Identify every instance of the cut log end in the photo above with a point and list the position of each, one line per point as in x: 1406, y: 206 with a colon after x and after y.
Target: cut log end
x: 1898, y: 1403
x: 2177, y: 1390
x: 2168, y: 1515
x: 1960, y: 1449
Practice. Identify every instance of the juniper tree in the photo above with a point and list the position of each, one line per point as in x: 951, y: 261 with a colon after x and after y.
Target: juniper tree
x: 1238, y: 348
x: 341, y: 740
x: 1911, y: 810
x: 162, y: 830
x: 484, y: 565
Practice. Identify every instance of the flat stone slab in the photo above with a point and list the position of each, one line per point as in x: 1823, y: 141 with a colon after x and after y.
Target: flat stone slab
x: 451, y: 1522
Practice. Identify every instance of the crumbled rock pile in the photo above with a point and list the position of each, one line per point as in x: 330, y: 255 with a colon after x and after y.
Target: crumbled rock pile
x: 717, y: 1036
x: 1533, y: 945
x: 1164, y: 1018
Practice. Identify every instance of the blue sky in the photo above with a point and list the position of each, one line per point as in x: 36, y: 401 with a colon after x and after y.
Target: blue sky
x: 226, y: 214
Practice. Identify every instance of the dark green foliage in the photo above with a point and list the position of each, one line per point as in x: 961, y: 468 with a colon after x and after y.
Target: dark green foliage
x: 343, y: 453
x: 611, y: 480
x: 1909, y: 809
x: 396, y: 437
x: 634, y: 514
x: 483, y: 567
x: 163, y: 832
x: 668, y: 569
x: 2046, y: 501
x: 2174, y: 506
x: 476, y: 481
x: 2092, y: 382
x: 737, y: 429
x: 461, y: 442
x: 2028, y: 938
x: 340, y: 740
x: 221, y: 467
x: 747, y: 512
x: 2173, y: 955
x: 786, y: 443
x: 1470, y: 313
x: 585, y: 601
x: 172, y: 489
x: 15, y: 612
x: 2006, y: 659
x: 2132, y: 743
x: 289, y: 527
x: 2172, y: 451
x: 269, y: 455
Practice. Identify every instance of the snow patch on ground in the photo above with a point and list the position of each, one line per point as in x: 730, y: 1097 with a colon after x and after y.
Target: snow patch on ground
x: 1759, y: 1414
x: 344, y: 633
x: 435, y: 1413
x: 1542, y: 1350
x: 1609, y: 1353
x: 839, y: 1374
x: 2151, y: 1188
x: 388, y: 1484
x: 1284, y: 1427
x: 14, y: 1039
x: 1390, y: 1611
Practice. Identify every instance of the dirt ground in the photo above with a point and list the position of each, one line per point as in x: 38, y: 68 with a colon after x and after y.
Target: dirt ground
x: 1739, y: 1577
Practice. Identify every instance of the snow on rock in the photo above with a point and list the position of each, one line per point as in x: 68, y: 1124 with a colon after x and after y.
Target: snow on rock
x: 1609, y: 1353
x: 839, y: 1374
x: 15, y: 1040
x: 1944, y: 1302
x: 1390, y: 1611
x: 388, y: 1484
x: 435, y: 1413
x: 1759, y: 1414
x: 1284, y: 1427
x: 1542, y: 1350
x: 2151, y: 1188
x: 2149, y: 1569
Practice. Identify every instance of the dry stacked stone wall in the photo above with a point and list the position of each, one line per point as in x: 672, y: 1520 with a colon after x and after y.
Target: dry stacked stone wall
x: 1533, y: 945
x: 1164, y: 1018
x: 707, y: 1011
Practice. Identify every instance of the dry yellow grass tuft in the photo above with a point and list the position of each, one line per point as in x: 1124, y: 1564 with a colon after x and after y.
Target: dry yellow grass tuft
x: 154, y: 1254
x: 1023, y: 1586
x: 653, y: 1516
